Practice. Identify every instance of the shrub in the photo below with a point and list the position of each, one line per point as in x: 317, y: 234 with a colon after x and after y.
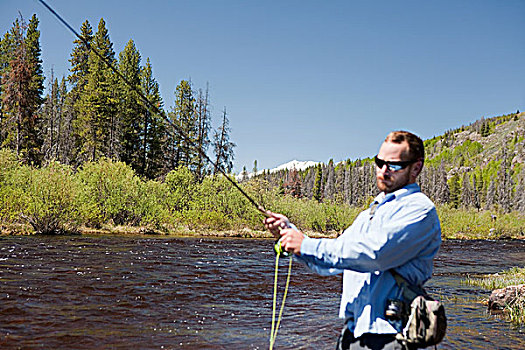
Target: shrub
x: 181, y: 184
x: 152, y: 206
x: 9, y: 192
x: 216, y: 204
x: 46, y: 198
x: 109, y: 191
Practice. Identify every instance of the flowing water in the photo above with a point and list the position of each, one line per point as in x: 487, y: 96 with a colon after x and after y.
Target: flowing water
x: 106, y: 292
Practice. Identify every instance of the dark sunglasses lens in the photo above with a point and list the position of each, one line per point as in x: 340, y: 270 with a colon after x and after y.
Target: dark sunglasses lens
x: 391, y: 167
x: 379, y: 162
x: 395, y: 167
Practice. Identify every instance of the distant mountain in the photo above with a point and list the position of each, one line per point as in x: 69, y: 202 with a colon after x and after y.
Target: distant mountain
x: 294, y: 164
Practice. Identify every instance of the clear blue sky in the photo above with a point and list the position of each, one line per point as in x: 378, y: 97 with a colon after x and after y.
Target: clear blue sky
x: 314, y: 80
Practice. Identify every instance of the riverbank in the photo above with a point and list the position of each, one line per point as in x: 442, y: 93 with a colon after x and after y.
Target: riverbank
x: 21, y: 229
x: 9, y: 229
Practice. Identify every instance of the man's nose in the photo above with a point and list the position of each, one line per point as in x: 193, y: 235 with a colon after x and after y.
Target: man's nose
x: 383, y: 169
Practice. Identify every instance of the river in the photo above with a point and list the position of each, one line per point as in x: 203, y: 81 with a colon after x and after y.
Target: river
x: 140, y: 292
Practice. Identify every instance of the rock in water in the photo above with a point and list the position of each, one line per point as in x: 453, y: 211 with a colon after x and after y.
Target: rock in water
x: 506, y: 296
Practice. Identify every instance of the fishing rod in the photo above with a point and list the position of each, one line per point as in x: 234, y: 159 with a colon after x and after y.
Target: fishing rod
x: 277, y: 247
x: 157, y: 110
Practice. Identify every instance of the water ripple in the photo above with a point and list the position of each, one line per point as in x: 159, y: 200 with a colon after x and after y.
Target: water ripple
x: 163, y: 293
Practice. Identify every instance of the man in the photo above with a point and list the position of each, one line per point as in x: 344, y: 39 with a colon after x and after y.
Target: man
x: 399, y: 231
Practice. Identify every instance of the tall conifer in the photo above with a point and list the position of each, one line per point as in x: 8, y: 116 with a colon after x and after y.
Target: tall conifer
x: 203, y: 120
x: 154, y: 126
x: 22, y: 92
x: 130, y: 110
x: 97, y: 125
x: 223, y: 147
x: 186, y: 121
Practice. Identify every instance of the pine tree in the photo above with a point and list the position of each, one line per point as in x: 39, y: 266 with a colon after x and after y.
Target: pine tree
x: 130, y: 110
x: 203, y: 121
x: 349, y: 188
x: 455, y: 191
x: 466, y: 192
x: 51, y: 120
x: 339, y: 183
x: 8, y: 47
x: 318, y: 184
x: 97, y: 126
x: 491, y: 195
x: 308, y: 183
x: 78, y: 78
x: 56, y: 122
x: 244, y: 174
x: 185, y: 137
x: 520, y: 193
x: 223, y: 147
x: 505, y: 185
x: 154, y: 126
x: 21, y: 92
x: 443, y: 193
x: 80, y: 59
x: 480, y: 186
x: 33, y: 51
x: 66, y: 142
x: 293, y: 184
x: 329, y: 188
x: 476, y: 202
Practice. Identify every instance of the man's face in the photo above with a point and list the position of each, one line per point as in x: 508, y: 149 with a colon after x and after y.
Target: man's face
x: 389, y: 181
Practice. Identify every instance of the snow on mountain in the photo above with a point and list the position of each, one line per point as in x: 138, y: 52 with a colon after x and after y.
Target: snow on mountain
x: 294, y: 164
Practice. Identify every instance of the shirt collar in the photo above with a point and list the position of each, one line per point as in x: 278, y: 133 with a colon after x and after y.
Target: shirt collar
x: 408, y: 189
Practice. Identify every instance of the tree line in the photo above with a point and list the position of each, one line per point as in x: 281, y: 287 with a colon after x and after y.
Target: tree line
x: 93, y: 114
x: 463, y: 169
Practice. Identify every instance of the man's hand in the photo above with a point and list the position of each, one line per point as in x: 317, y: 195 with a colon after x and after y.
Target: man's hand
x: 291, y: 239
x: 275, y: 223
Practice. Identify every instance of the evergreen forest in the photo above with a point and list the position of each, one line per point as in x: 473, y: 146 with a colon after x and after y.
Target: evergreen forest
x: 98, y: 112
x: 92, y: 155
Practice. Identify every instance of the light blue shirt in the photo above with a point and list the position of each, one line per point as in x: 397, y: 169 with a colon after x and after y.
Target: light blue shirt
x: 403, y: 233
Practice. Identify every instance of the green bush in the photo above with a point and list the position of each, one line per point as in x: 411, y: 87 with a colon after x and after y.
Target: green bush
x: 9, y: 192
x: 110, y: 191
x: 46, y: 198
x: 181, y: 184
x: 153, y: 204
x: 217, y: 205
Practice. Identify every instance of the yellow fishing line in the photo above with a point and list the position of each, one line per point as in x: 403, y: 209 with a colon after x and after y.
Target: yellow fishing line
x: 275, y: 328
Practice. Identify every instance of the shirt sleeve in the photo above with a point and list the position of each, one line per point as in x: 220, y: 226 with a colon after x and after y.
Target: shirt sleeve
x: 399, y: 239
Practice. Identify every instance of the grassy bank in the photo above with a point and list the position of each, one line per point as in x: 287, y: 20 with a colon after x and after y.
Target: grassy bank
x: 107, y: 196
x: 514, y: 276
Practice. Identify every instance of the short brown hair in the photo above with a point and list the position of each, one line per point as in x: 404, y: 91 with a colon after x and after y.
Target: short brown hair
x: 416, y: 149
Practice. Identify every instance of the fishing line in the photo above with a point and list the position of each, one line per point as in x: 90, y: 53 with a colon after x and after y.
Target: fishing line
x: 259, y: 207
x: 156, y: 109
x: 275, y: 327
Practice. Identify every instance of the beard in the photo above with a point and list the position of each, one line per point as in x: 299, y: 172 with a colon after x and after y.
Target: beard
x: 389, y: 183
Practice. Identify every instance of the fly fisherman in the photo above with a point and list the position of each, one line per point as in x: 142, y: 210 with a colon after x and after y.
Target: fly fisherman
x: 399, y: 231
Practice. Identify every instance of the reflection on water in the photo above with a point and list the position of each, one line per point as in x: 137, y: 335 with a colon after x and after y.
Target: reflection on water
x: 104, y: 292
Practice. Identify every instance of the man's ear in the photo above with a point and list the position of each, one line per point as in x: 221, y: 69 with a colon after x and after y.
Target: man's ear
x: 416, y: 168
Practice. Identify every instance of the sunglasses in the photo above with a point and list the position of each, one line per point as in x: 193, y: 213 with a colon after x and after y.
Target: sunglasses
x: 393, y: 166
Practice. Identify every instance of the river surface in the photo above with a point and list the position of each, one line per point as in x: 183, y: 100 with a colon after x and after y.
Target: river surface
x: 139, y: 292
